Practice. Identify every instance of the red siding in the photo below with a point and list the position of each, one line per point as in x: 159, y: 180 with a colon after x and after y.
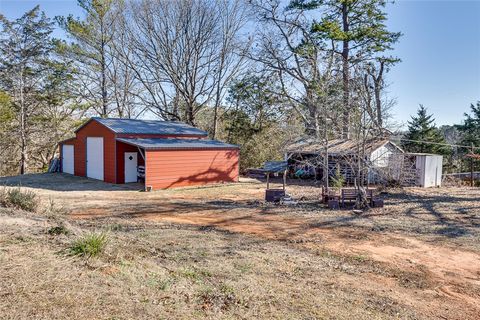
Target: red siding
x: 165, y: 169
x: 121, y: 149
x: 94, y: 129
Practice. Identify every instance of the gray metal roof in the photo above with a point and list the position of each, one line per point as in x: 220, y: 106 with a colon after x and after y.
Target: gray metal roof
x: 137, y: 126
x: 167, y: 144
x: 337, y: 146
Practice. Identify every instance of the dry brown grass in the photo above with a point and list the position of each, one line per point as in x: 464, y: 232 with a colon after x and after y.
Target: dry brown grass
x: 218, y: 252
x: 149, y: 272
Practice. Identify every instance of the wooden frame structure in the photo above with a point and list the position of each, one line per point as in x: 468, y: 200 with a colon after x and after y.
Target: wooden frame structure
x: 275, y: 167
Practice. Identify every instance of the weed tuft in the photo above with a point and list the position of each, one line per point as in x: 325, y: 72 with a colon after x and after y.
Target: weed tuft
x: 19, y: 199
x: 244, y: 267
x: 116, y: 227
x: 53, y: 209
x: 218, y: 298
x: 194, y: 273
x: 90, y: 245
x: 58, y: 230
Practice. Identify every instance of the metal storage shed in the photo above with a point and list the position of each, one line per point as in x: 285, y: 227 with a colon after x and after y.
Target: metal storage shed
x: 429, y: 169
x: 172, y: 153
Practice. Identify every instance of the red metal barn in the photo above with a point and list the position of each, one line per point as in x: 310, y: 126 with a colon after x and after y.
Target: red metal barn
x: 173, y: 154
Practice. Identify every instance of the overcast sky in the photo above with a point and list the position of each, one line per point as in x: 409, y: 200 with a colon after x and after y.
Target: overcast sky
x: 440, y: 52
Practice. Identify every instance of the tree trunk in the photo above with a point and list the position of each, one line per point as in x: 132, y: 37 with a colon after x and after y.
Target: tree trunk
x: 378, y: 90
x: 362, y: 201
x: 189, y: 113
x: 218, y: 95
x: 346, y: 74
x: 23, y: 135
x: 215, y: 117
x: 378, y: 105
x: 103, y: 66
x: 104, y: 90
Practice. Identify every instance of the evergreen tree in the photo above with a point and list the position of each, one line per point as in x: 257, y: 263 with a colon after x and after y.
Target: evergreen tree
x: 470, y: 128
x: 25, y: 46
x: 358, y: 30
x: 470, y: 131
x: 422, y: 128
x: 35, y: 101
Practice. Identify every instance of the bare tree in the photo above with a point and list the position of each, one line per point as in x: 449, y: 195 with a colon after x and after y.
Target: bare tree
x: 103, y: 81
x: 304, y: 67
x: 184, y: 53
x: 234, y: 15
x: 125, y: 87
x: 374, y: 87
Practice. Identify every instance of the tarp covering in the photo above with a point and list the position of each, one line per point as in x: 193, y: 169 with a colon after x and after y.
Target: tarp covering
x: 274, y: 166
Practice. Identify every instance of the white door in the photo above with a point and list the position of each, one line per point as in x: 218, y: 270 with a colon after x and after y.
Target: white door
x: 95, y: 158
x: 67, y: 159
x: 131, y: 167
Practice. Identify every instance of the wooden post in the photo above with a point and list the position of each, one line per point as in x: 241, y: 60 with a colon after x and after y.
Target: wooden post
x: 471, y: 168
x: 268, y: 180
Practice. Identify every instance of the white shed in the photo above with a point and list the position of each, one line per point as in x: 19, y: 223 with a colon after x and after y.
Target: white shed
x: 429, y: 169
x: 381, y: 153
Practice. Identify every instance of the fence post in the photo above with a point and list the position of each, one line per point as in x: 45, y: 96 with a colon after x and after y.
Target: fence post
x: 471, y: 167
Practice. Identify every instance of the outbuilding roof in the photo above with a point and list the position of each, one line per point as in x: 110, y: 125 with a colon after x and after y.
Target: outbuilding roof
x: 137, y: 126
x: 178, y: 144
x: 337, y: 146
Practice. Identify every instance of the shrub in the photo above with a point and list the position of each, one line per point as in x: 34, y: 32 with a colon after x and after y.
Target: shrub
x: 91, y: 245
x: 338, y: 181
x: 19, y: 199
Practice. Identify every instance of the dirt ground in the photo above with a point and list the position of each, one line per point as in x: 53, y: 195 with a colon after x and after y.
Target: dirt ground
x: 221, y: 252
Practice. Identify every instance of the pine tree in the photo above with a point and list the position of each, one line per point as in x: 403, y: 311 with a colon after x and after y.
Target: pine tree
x: 36, y: 103
x: 422, y: 128
x: 470, y: 132
x: 359, y: 31
x: 470, y: 128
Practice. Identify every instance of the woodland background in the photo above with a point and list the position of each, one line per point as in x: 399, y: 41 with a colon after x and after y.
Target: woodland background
x: 256, y: 73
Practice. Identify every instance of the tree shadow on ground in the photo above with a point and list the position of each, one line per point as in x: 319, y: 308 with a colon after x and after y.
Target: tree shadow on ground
x: 449, y: 216
x: 440, y: 216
